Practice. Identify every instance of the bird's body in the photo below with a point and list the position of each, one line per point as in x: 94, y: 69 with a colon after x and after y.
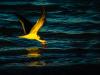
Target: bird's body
x: 33, y: 37
x: 30, y: 36
x: 33, y: 32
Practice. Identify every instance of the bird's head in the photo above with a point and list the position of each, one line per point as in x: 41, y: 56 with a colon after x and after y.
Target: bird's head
x: 44, y: 42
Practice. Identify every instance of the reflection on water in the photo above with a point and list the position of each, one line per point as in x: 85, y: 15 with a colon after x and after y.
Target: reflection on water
x: 34, y: 56
x: 22, y: 57
x: 34, y: 53
x: 31, y: 50
x: 36, y: 63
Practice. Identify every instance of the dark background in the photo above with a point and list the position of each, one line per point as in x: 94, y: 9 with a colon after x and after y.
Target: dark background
x: 72, y: 30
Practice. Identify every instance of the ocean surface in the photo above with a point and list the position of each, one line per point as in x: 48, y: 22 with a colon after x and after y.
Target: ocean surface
x: 72, y: 31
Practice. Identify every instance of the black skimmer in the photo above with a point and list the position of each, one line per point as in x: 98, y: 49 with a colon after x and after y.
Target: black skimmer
x: 30, y: 30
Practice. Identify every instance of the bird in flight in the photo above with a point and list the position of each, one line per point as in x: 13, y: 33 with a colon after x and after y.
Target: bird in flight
x: 30, y: 30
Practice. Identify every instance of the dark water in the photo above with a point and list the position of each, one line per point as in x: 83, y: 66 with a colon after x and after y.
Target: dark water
x: 72, y: 30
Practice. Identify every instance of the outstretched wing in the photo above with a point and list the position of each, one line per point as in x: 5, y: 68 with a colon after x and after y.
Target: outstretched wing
x: 39, y: 23
x: 26, y: 25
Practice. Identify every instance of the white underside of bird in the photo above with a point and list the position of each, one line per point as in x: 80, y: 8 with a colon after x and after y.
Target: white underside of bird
x: 33, y: 37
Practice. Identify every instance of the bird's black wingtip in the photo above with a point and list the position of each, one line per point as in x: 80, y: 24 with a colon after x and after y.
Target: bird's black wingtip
x: 43, y: 10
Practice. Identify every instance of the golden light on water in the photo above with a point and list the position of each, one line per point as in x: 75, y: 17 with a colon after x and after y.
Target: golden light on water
x: 35, y: 49
x: 33, y: 52
x: 33, y: 55
x: 36, y: 63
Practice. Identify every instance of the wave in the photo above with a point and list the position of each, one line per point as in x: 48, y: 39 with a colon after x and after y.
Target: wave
x: 50, y: 56
x: 59, y: 51
x: 82, y: 35
x: 30, y: 7
x: 25, y: 3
